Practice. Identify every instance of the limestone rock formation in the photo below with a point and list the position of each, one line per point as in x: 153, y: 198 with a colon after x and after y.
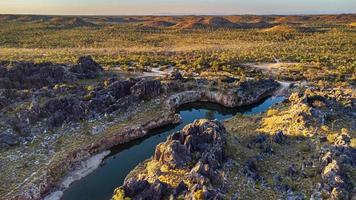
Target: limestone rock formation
x: 246, y: 93
x: 196, y: 152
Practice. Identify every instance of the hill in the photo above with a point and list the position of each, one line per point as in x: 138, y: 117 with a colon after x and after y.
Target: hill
x: 281, y: 29
x: 69, y: 22
x: 206, y: 22
x: 158, y: 24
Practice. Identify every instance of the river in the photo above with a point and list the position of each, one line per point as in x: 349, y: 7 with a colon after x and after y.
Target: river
x: 100, y: 184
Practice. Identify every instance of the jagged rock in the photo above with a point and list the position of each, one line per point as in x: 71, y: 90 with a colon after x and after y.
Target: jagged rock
x: 22, y: 128
x: 173, y: 154
x: 267, y: 148
x: 106, y: 97
x: 343, y: 139
x: 279, y: 137
x: 260, y: 139
x: 87, y: 68
x: 246, y: 93
x: 339, y: 194
x: 9, y: 96
x: 143, y: 190
x: 111, y: 98
x: 23, y: 75
x: 201, y: 143
x: 134, y: 186
x: 203, y: 193
x: 326, y: 159
x: 332, y: 175
x: 180, y: 189
x: 146, y: 89
x: 120, y: 89
x: 61, y: 110
x: 250, y: 170
x: 8, y: 139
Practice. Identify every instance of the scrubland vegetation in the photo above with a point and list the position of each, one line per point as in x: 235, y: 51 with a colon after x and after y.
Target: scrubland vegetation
x: 323, y: 46
x: 286, y: 150
x: 301, y: 148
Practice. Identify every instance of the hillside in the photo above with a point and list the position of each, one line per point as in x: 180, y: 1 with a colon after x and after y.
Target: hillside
x: 281, y: 29
x: 69, y: 21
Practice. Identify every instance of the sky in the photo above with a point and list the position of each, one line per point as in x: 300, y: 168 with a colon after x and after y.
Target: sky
x: 175, y: 7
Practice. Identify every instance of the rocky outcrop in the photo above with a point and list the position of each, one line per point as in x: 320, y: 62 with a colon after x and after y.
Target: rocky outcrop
x: 60, y: 110
x: 146, y: 89
x: 333, y: 163
x: 9, y: 96
x: 26, y: 75
x: 196, y: 152
x: 8, y: 139
x: 86, y: 67
x: 47, y: 104
x: 107, y: 97
x: 246, y: 93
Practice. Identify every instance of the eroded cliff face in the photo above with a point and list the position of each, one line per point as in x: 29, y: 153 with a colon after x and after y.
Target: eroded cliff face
x: 185, y: 166
x: 245, y: 94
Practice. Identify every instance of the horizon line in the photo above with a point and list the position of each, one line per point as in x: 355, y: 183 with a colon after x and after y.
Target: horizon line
x: 185, y: 14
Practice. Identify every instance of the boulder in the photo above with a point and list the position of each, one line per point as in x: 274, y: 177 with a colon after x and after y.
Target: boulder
x: 142, y: 189
x: 333, y: 176
x: 146, y: 89
x: 259, y: 139
x: 173, y: 154
x: 134, y: 186
x: 176, y: 75
x: 251, y: 171
x: 9, y: 139
x: 86, y: 67
x: 60, y: 110
x: 339, y: 194
x: 279, y: 137
x: 116, y: 95
x: 120, y: 88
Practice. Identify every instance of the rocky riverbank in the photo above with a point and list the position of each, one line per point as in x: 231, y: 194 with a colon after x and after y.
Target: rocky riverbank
x: 301, y: 149
x: 44, y: 106
x: 246, y: 93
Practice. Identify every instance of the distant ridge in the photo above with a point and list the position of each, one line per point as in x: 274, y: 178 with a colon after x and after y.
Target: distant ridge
x: 186, y: 22
x: 281, y: 29
x: 159, y: 24
x: 69, y: 21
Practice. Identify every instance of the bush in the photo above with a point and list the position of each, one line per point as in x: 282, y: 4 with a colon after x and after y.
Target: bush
x: 272, y: 112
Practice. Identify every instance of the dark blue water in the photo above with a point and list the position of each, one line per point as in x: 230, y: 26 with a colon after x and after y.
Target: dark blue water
x: 101, y: 183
